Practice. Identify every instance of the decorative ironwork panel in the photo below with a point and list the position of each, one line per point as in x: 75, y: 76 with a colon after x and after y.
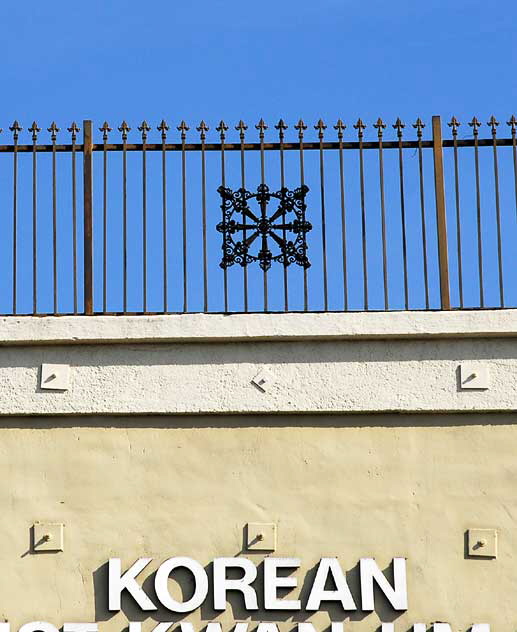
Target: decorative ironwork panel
x: 285, y: 229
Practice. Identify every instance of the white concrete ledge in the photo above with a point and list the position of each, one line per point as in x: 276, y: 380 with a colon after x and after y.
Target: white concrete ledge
x: 177, y: 328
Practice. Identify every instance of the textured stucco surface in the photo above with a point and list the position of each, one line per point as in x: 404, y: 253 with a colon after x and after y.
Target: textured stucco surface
x: 250, y: 327
x: 403, y: 375
x: 346, y: 486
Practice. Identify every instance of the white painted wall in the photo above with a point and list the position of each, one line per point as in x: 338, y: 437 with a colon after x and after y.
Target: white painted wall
x: 204, y: 364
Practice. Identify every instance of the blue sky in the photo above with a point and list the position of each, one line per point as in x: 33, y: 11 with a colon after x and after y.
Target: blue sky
x: 228, y: 59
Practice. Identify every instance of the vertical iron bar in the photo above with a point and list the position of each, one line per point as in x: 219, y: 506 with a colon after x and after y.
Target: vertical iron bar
x: 513, y: 124
x: 399, y: 126
x: 203, y: 129
x: 419, y: 126
x: 124, y: 129
x: 104, y: 227
x: 493, y: 124
x: 35, y: 130
x: 261, y: 126
x: 300, y: 126
x: 340, y: 127
x: 144, y: 128
x: 475, y: 124
x: 183, y: 128
x: 242, y: 127
x: 281, y: 127
x: 74, y: 129
x: 163, y: 128
x: 222, y: 128
x: 53, y: 129
x: 360, y: 126
x: 454, y: 124
x: 105, y: 129
x: 88, y: 216
x: 15, y: 128
x: 320, y: 126
x: 380, y: 126
x: 441, y: 218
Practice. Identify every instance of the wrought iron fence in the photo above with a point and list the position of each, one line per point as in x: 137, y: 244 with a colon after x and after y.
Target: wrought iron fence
x: 334, y: 222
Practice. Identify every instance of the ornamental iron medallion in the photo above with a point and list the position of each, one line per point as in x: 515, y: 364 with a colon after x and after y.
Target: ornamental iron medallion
x: 242, y: 227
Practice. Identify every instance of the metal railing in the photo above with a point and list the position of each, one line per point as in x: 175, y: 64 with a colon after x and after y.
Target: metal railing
x: 338, y: 223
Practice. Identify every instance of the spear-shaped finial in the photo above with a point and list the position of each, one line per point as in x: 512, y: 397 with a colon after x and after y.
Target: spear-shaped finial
x: 513, y: 124
x: 474, y: 123
x: 493, y: 123
x: 163, y: 128
x: 222, y: 128
x: 202, y: 128
x: 241, y: 127
x: 360, y: 126
x: 281, y: 127
x: 380, y: 126
x: 321, y: 127
x: 34, y: 129
x: 261, y: 126
x: 399, y: 126
x: 74, y: 129
x: 340, y: 127
x: 53, y: 129
x: 300, y: 126
x: 144, y: 128
x: 419, y: 126
x: 124, y: 128
x: 454, y: 123
x: 105, y: 129
x: 15, y: 129
x: 183, y: 128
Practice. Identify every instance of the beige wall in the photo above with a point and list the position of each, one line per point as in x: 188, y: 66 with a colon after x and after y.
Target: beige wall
x: 200, y: 451
x: 344, y: 486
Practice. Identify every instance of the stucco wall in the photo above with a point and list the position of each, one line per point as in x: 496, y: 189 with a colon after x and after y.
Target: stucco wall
x: 315, y: 362
x: 200, y: 451
x: 344, y: 486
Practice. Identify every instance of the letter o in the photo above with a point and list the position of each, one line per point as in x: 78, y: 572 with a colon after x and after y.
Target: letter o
x: 38, y: 626
x: 200, y: 584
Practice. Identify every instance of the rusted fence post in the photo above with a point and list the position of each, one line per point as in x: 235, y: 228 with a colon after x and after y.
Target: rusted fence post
x: 441, y: 219
x: 88, y: 217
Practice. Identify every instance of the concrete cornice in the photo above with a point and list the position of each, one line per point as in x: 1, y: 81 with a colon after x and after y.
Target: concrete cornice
x: 178, y: 328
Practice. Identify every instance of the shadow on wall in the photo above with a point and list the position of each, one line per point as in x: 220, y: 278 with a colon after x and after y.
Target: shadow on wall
x: 266, y: 420
x: 261, y: 353
x: 235, y: 601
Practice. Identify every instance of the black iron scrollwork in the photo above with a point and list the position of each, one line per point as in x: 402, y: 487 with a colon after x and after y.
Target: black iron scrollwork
x: 268, y: 230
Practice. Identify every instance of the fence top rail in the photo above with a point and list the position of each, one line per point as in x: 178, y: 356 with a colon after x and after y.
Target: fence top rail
x: 305, y: 146
x: 323, y: 142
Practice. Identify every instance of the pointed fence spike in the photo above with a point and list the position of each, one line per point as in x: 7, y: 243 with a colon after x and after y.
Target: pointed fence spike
x: 35, y: 130
x: 124, y: 128
x: 399, y: 125
x: 360, y: 126
x: 493, y: 123
x: 202, y: 128
x: 300, y: 126
x: 454, y: 123
x: 144, y: 128
x: 105, y: 129
x: 419, y: 126
x: 15, y: 129
x: 163, y: 128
